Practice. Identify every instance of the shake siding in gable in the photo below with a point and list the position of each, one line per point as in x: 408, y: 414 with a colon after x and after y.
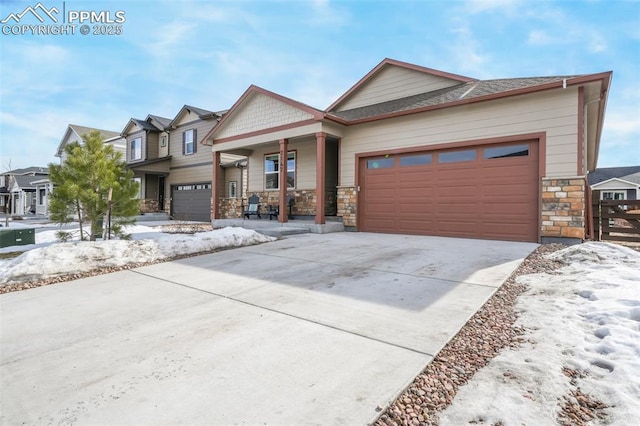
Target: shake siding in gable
x: 553, y: 112
x: 394, y: 82
x: 261, y: 112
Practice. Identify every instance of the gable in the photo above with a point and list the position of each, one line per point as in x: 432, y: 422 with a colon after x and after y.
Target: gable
x: 394, y: 82
x: 185, y: 116
x: 132, y: 127
x: 615, y: 183
x: 259, y: 111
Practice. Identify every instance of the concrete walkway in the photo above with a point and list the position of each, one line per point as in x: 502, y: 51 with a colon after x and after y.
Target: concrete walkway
x: 311, y: 329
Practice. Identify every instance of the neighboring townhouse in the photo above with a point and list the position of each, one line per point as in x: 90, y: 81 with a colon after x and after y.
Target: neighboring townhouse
x: 175, y: 174
x: 23, y: 192
x: 616, y: 183
x: 413, y: 150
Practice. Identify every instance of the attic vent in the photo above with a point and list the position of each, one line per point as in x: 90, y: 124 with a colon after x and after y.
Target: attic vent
x: 468, y: 91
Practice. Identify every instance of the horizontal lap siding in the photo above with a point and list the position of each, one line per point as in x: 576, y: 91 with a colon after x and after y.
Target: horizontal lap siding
x: 552, y: 112
x: 394, y: 82
x: 305, y: 164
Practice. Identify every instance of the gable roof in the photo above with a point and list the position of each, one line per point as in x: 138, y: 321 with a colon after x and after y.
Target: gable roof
x: 165, y: 122
x: 33, y: 170
x: 253, y: 89
x: 79, y: 131
x: 392, y: 62
x: 202, y: 114
x: 629, y: 174
x: 463, y: 93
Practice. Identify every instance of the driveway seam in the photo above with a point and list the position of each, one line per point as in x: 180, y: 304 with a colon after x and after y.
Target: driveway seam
x: 233, y: 299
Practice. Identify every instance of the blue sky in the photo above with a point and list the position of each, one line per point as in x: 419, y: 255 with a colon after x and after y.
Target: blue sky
x: 206, y: 53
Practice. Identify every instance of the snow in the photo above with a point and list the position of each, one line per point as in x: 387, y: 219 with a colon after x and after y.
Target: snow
x: 585, y: 316
x: 48, y: 259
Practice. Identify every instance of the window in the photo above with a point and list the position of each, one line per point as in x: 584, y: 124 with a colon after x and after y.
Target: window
x: 189, y: 142
x: 233, y: 189
x: 139, y: 182
x: 272, y: 170
x: 457, y: 156
x: 415, y: 160
x: 506, y: 151
x: 136, y: 149
x: 612, y: 195
x: 380, y: 163
x: 42, y: 193
x: 163, y: 141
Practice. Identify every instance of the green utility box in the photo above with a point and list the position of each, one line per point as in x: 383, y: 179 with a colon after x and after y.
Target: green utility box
x: 17, y: 237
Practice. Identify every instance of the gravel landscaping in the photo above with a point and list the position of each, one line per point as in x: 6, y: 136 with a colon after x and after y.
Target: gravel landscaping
x: 487, y: 332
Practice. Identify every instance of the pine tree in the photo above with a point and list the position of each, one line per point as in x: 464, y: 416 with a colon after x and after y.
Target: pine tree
x: 93, y: 184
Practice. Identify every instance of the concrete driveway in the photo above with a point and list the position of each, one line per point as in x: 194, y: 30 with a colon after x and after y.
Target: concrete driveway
x: 311, y: 329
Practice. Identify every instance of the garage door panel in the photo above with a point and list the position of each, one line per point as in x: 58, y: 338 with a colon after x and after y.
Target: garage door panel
x: 484, y: 198
x: 191, y: 202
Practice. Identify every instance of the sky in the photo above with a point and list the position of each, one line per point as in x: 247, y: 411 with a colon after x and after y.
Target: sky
x: 207, y: 53
x: 594, y: 297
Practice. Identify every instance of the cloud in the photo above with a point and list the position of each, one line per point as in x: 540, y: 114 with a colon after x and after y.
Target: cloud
x: 480, y: 6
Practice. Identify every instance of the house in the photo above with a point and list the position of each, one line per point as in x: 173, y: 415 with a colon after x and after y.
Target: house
x: 22, y: 192
x: 74, y: 133
x: 174, y: 173
x: 413, y: 150
x: 616, y: 183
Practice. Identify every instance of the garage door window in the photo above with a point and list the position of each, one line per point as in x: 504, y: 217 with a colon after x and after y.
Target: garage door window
x: 380, y: 163
x: 416, y: 160
x: 506, y: 151
x: 457, y: 156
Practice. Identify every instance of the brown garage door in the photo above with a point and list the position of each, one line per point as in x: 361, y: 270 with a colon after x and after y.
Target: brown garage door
x: 480, y: 192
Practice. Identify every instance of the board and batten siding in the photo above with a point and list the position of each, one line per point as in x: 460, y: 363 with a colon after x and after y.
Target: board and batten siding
x: 553, y: 112
x: 305, y: 164
x: 261, y: 112
x: 392, y: 83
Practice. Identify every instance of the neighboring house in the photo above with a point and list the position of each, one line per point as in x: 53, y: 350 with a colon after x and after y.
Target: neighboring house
x: 616, y: 183
x: 175, y: 174
x: 19, y: 189
x: 74, y: 133
x: 414, y: 150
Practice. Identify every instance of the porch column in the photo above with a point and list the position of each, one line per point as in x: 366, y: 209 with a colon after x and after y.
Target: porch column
x: 215, y: 186
x: 283, y: 215
x: 321, y: 139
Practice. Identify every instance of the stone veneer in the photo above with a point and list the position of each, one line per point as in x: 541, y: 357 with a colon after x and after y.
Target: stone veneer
x: 304, y: 203
x: 348, y: 204
x: 148, y: 205
x: 563, y: 208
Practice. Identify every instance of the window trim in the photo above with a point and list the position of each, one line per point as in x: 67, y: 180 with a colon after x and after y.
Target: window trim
x: 613, y: 191
x: 295, y: 170
x: 193, y: 132
x: 233, y: 189
x: 132, y: 151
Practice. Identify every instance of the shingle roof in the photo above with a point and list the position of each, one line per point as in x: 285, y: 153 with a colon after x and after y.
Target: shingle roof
x: 145, y: 124
x: 469, y: 90
x: 629, y: 173
x: 105, y: 134
x: 28, y: 170
x: 23, y: 181
x: 162, y: 120
x: 200, y: 111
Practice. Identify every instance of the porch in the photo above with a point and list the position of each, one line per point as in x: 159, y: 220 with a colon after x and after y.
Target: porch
x: 279, y: 229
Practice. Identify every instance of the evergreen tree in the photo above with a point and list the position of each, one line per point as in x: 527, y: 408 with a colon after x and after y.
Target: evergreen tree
x: 93, y: 185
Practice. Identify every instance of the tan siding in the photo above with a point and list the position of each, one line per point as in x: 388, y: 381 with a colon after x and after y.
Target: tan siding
x: 152, y: 145
x: 394, y: 83
x: 203, y: 152
x: 232, y: 174
x: 261, y: 112
x: 305, y: 164
x: 163, y: 151
x: 186, y: 117
x: 199, y: 174
x: 552, y: 112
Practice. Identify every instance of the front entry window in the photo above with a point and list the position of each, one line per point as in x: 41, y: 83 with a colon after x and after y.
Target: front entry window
x: 272, y: 171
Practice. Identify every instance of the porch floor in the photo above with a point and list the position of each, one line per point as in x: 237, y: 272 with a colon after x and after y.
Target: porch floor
x: 277, y: 229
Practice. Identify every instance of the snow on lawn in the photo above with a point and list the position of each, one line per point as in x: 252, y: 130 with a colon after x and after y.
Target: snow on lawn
x: 148, y: 245
x: 586, y: 317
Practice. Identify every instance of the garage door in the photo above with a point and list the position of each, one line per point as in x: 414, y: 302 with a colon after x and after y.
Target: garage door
x: 479, y: 192
x: 191, y: 202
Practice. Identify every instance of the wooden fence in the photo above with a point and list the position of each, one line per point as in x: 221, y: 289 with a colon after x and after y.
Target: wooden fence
x: 616, y: 220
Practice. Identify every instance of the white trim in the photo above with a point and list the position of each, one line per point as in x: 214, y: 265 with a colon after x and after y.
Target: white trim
x: 630, y: 185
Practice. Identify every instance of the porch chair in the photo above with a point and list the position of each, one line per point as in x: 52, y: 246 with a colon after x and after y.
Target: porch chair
x: 253, y: 208
x: 274, y: 211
